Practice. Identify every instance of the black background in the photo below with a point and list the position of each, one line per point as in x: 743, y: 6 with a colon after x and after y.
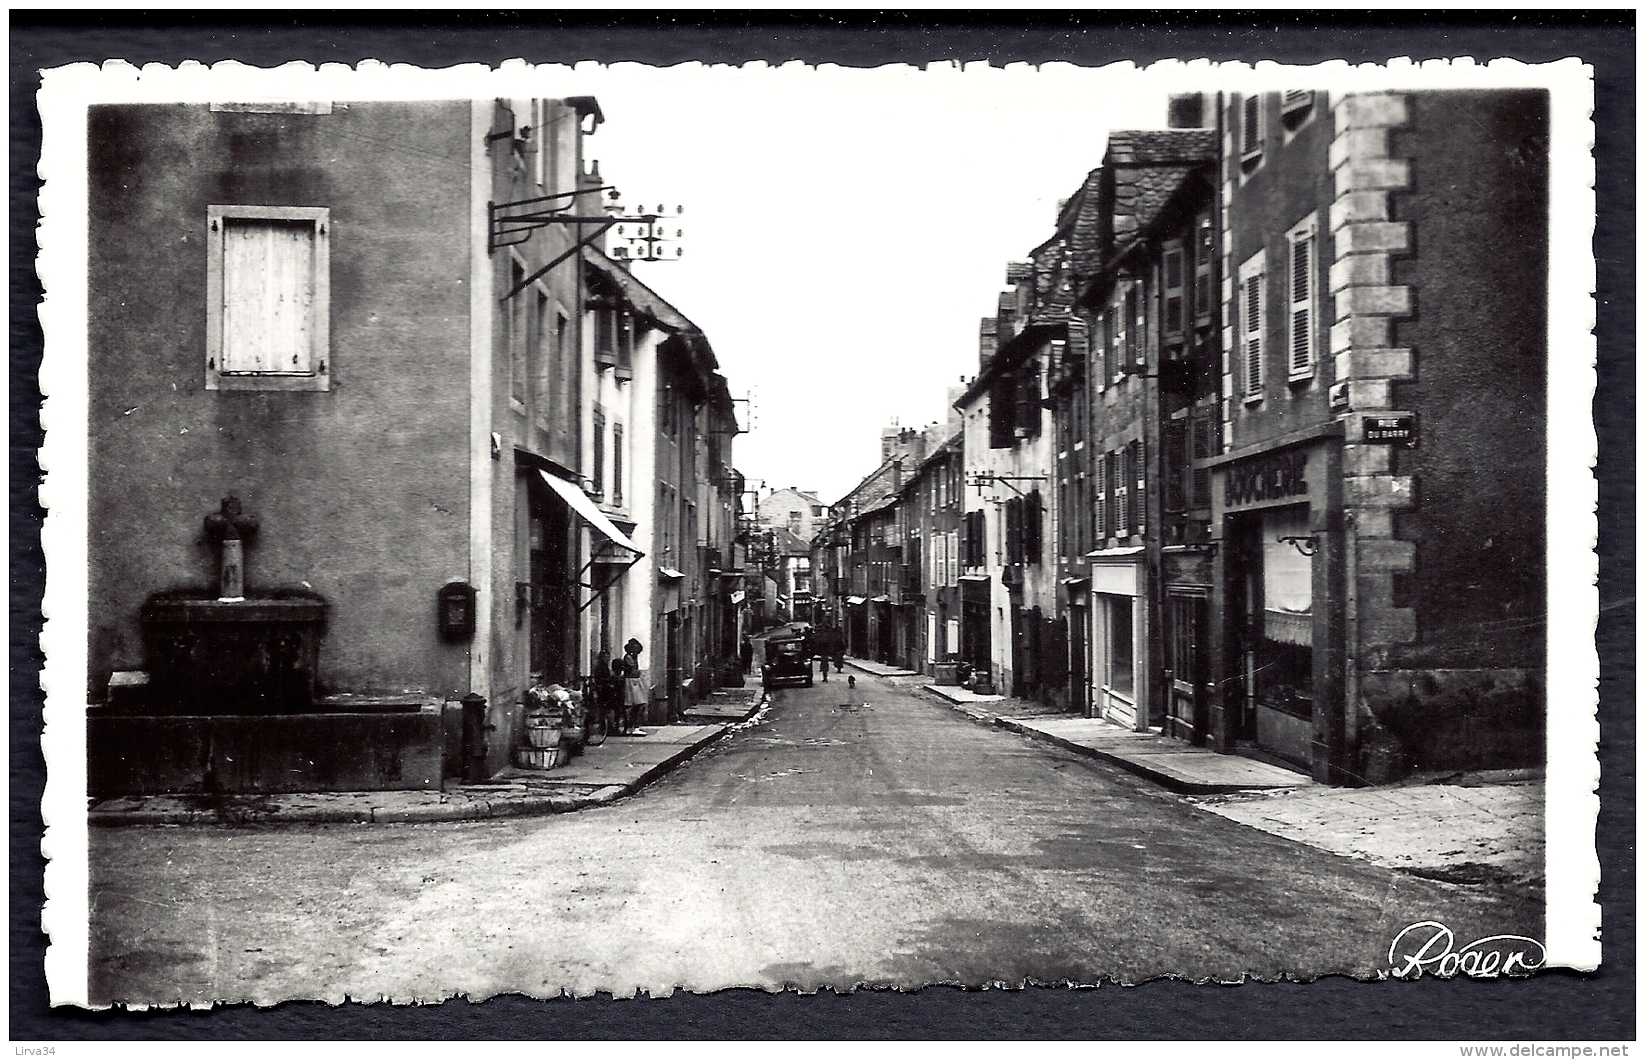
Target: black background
x: 1553, y: 1005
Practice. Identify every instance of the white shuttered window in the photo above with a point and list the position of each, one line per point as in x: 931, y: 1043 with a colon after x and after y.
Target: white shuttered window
x: 1304, y: 313
x: 268, y: 294
x: 1251, y: 325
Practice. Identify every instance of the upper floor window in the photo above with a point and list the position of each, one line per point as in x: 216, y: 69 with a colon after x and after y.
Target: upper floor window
x: 617, y: 465
x: 599, y: 453
x: 1250, y: 308
x: 1251, y: 129
x: 1136, y: 321
x: 1173, y: 292
x: 268, y: 290
x: 1204, y: 275
x: 1295, y: 107
x: 1304, y: 294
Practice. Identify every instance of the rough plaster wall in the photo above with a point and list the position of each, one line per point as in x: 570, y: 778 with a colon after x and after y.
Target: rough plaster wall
x: 362, y: 491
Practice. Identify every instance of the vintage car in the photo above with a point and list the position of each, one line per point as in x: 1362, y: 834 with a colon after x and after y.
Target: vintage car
x: 787, y: 661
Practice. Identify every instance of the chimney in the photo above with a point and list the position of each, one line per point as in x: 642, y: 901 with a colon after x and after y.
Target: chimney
x: 1188, y: 110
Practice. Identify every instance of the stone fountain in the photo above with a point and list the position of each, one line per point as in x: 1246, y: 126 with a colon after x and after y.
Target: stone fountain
x: 231, y: 654
x: 231, y: 703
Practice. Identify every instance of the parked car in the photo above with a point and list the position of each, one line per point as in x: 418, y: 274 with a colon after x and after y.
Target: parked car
x: 787, y: 661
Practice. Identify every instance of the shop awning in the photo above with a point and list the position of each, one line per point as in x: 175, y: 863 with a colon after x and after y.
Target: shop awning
x: 856, y: 599
x: 670, y: 572
x: 596, y: 519
x: 973, y: 577
x: 882, y: 599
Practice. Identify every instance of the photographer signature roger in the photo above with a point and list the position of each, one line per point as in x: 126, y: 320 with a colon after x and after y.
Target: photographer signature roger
x: 1429, y: 947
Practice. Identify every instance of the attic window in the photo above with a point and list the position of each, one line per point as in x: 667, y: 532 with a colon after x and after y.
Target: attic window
x: 1295, y: 106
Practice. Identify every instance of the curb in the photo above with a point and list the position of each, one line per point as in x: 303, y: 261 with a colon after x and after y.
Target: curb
x: 1164, y: 780
x: 479, y: 809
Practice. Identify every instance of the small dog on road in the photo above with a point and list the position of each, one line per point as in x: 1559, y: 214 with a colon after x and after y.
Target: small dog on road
x: 851, y: 680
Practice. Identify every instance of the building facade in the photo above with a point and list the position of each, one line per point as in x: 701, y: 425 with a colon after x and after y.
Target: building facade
x: 385, y: 383
x: 1379, y: 590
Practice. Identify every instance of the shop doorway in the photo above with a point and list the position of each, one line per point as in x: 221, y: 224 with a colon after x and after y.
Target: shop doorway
x: 1273, y: 627
x: 1187, y: 626
x: 550, y: 601
x: 1079, y: 649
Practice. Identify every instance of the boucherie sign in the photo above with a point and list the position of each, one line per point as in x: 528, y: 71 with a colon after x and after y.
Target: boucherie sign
x: 1266, y: 478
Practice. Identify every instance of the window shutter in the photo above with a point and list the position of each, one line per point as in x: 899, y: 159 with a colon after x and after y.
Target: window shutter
x: 1013, y: 530
x: 1078, y: 345
x: 1204, y: 290
x: 1139, y: 466
x: 1126, y: 473
x: 1122, y: 328
x: 1027, y: 417
x: 1302, y: 303
x: 1174, y: 301
x: 1132, y: 311
x: 1294, y: 106
x: 1032, y: 527
x: 1251, y: 128
x: 1251, y: 335
x: 617, y: 464
x: 1201, y: 426
x: 599, y: 452
x: 1176, y: 466
x: 1100, y: 519
x: 268, y: 296
x: 1118, y: 495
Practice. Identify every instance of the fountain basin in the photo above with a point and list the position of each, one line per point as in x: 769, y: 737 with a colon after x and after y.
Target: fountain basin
x: 254, y: 656
x: 392, y: 743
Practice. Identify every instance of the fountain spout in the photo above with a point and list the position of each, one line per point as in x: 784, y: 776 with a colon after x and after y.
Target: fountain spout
x: 232, y: 527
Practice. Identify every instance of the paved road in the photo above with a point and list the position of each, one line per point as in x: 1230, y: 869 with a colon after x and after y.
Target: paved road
x: 870, y: 838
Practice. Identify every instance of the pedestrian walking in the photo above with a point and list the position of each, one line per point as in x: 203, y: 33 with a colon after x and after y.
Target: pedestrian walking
x: 636, y: 695
x: 747, y: 655
x: 825, y: 667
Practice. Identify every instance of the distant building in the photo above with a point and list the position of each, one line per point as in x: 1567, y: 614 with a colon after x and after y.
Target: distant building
x: 797, y: 511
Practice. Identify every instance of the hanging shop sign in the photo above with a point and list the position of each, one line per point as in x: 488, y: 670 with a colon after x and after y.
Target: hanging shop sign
x: 1391, y: 430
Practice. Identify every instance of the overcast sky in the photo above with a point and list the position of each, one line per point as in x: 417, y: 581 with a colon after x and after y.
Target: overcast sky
x: 847, y: 229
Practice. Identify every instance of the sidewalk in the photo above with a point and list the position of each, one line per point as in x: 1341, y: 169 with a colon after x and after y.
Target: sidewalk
x: 874, y: 669
x: 1171, y: 763
x: 1483, y: 827
x: 618, y: 767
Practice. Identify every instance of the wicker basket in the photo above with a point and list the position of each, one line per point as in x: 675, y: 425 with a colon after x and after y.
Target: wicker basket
x: 536, y: 757
x: 542, y: 737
